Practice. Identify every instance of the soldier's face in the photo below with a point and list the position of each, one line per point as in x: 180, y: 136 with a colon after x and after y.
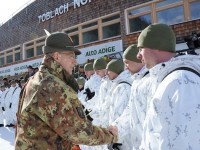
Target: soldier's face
x: 111, y: 75
x: 148, y: 57
x: 89, y: 73
x: 13, y: 84
x: 67, y: 60
x: 131, y: 66
x: 101, y: 73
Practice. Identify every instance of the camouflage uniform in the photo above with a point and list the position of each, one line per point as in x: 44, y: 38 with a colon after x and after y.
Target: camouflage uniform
x: 50, y: 116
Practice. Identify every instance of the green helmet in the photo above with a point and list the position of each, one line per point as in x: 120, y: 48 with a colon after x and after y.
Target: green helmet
x: 131, y: 53
x: 88, y: 67
x: 158, y: 36
x: 116, y: 66
x: 99, y: 64
x: 58, y: 42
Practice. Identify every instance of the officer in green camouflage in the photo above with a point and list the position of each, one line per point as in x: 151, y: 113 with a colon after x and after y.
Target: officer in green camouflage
x: 50, y: 116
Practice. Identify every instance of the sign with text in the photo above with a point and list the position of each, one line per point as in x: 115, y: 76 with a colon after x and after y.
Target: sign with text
x: 98, y: 51
x: 21, y: 67
x: 61, y: 10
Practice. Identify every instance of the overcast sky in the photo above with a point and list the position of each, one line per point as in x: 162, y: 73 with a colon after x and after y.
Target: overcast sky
x: 8, y: 7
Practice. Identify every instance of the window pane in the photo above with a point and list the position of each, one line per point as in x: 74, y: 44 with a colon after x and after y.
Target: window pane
x: 139, y: 10
x: 10, y: 51
x: 1, y: 61
x: 139, y: 23
x: 171, y: 16
x: 110, y: 18
x: 167, y: 2
x: 29, y: 44
x: 18, y: 48
x: 17, y: 56
x: 39, y: 50
x: 41, y: 40
x: 89, y: 25
x: 9, y: 59
x: 29, y: 53
x: 72, y: 30
x: 90, y: 36
x: 111, y: 30
x: 194, y: 8
x: 75, y: 39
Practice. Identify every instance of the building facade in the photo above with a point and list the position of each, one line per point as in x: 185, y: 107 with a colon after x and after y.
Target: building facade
x: 97, y: 27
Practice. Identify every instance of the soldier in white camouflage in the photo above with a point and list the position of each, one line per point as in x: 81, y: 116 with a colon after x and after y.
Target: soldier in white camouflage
x: 50, y: 116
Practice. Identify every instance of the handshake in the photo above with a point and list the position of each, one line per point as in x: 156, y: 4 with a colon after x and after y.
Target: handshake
x: 114, y: 146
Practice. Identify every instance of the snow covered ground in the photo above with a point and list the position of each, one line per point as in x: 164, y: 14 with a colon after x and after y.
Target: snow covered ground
x: 7, y: 138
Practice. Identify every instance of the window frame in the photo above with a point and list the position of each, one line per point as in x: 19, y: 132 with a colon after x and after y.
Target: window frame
x: 36, y: 42
x: 8, y: 52
x: 154, y: 10
x: 99, y: 26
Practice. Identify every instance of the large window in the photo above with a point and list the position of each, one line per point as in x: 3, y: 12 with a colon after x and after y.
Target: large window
x: 39, y: 50
x: 73, y: 33
x: 34, y: 48
x: 166, y: 2
x: 111, y: 26
x: 139, y: 18
x: 9, y: 55
x: 9, y: 59
x: 17, y: 56
x: 2, y: 61
x: 194, y: 8
x: 164, y: 11
x: 90, y: 36
x: 75, y: 39
x: 101, y: 28
x: 139, y: 23
x: 171, y: 16
x: 111, y: 30
x: 30, y: 53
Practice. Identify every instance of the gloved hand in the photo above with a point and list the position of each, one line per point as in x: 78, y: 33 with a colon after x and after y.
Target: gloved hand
x: 88, y: 115
x: 3, y: 108
x: 10, y: 105
x: 114, y: 146
x: 89, y: 94
x: 87, y: 112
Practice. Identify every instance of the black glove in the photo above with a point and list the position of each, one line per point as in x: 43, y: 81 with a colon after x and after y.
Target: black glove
x: 3, y: 108
x: 10, y: 105
x: 114, y: 146
x: 89, y: 94
x: 87, y: 114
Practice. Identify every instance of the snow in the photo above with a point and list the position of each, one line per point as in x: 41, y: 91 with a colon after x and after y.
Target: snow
x: 7, y: 138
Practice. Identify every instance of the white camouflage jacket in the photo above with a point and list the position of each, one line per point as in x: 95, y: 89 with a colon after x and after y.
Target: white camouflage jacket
x: 93, y: 84
x: 174, y: 106
x: 129, y: 124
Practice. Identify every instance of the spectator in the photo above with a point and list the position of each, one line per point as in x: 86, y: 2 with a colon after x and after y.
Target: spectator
x: 30, y: 72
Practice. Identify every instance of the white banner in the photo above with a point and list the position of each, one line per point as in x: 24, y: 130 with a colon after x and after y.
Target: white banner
x: 21, y: 67
x: 98, y: 51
